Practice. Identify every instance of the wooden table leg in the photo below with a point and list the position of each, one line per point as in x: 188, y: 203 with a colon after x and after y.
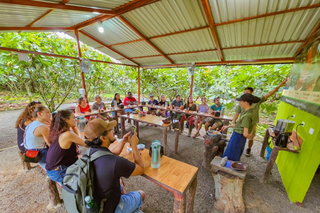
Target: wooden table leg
x: 176, y: 142
x: 136, y: 123
x: 165, y: 133
x: 264, y: 143
x: 122, y: 127
x: 272, y: 159
x: 179, y: 203
x: 191, y: 194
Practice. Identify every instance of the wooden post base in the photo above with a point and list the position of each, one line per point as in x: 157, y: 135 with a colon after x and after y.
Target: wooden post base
x: 54, y: 198
x: 228, y: 193
x: 26, y: 165
x: 176, y: 141
x: 213, y: 146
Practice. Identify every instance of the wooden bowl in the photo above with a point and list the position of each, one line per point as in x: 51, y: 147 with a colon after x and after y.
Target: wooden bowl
x: 238, y: 166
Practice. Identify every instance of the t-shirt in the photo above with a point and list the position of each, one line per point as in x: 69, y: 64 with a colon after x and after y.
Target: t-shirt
x: 244, y: 121
x: 177, y: 103
x: 215, y: 108
x: 118, y: 103
x: 96, y: 106
x: 107, y: 172
x: 128, y: 101
x: 162, y: 103
x: 193, y: 107
x: 155, y: 102
x: 255, y: 108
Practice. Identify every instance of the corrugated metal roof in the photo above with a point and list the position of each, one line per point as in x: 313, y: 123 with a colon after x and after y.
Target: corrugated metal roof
x: 152, y: 60
x: 19, y: 16
x: 107, y: 4
x: 227, y: 10
x: 167, y: 16
x: 272, y: 51
x: 109, y: 52
x: 63, y: 18
x: 136, y: 49
x: 279, y: 28
x: 196, y: 57
x: 126, y: 61
x: 185, y: 42
x: 115, y: 31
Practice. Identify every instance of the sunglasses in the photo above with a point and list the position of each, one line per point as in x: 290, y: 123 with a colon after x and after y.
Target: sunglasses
x: 34, y: 103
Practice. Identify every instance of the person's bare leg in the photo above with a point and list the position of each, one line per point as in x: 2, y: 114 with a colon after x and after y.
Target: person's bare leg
x: 198, y: 130
x: 206, y: 126
x: 250, y: 143
x: 143, y: 194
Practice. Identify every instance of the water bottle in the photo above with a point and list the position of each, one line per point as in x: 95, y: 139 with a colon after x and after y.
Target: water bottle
x: 91, y: 205
x: 82, y: 123
x: 222, y: 111
x: 155, y: 155
x: 168, y: 113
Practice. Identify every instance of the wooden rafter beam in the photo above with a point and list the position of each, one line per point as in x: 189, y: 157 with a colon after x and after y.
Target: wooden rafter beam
x: 64, y: 1
x: 39, y: 18
x: 237, y: 62
x: 269, y: 14
x: 209, y: 16
x: 58, y: 56
x: 110, y: 48
x: 57, y: 6
x: 134, y: 29
x: 309, y: 39
x: 36, y: 28
x: 132, y: 5
x: 126, y: 42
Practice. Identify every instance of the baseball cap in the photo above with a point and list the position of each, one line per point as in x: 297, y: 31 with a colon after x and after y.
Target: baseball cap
x: 96, y: 127
x: 151, y: 95
x: 248, y: 98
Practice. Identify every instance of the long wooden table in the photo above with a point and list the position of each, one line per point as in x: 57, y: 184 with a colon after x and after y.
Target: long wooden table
x: 173, y: 175
x: 149, y: 119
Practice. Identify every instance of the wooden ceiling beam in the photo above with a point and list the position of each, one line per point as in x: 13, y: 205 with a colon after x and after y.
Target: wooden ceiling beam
x: 110, y: 48
x: 57, y: 6
x: 236, y: 62
x: 308, y: 40
x: 269, y: 14
x: 209, y: 16
x: 134, y: 29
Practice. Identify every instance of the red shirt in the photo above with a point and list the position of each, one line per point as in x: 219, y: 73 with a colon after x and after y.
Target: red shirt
x: 83, y: 110
x: 128, y: 101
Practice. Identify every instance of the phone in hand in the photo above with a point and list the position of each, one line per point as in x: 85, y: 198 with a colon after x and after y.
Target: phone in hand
x: 133, y: 130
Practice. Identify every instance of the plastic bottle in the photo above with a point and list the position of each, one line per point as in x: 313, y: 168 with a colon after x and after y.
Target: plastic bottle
x: 91, y: 205
x: 222, y: 111
x: 82, y: 123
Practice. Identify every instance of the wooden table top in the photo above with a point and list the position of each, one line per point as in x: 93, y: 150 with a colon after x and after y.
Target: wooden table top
x: 172, y: 173
x: 96, y: 112
x: 150, y: 119
x: 224, y: 117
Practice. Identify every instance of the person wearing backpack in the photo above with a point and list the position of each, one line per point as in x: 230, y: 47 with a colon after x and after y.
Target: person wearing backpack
x: 108, y: 169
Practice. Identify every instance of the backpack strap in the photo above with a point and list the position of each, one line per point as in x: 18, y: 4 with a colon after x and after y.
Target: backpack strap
x: 99, y: 154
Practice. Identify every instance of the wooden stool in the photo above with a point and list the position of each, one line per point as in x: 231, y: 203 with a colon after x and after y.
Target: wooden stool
x: 26, y: 165
x: 213, y: 146
x: 54, y: 198
x: 228, y: 188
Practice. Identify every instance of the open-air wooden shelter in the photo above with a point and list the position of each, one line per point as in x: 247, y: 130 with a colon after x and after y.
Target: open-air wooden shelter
x: 173, y: 33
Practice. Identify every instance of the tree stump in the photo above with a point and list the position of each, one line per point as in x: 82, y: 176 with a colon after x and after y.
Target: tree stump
x: 213, y: 146
x: 26, y: 165
x: 54, y: 198
x: 228, y: 187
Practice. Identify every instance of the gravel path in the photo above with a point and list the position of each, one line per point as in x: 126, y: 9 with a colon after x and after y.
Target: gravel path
x: 25, y: 191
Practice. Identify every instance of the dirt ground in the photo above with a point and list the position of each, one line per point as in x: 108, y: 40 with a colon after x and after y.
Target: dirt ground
x: 25, y: 191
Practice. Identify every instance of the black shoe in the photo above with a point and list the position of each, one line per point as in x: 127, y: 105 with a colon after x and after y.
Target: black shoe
x: 248, y: 152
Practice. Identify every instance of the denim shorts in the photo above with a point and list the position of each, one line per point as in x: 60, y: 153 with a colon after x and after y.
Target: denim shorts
x: 57, y: 174
x: 129, y: 202
x: 129, y: 110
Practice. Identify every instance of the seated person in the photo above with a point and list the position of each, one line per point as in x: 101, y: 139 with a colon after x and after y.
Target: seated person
x: 118, y: 100
x: 25, y: 118
x: 83, y: 106
x: 152, y: 101
x: 178, y: 103
x: 63, y: 151
x: 109, y: 169
x: 163, y: 103
x: 190, y: 105
x: 242, y: 128
x: 37, y: 133
x: 129, y: 100
x: 214, y: 122
x: 99, y: 105
x: 204, y: 108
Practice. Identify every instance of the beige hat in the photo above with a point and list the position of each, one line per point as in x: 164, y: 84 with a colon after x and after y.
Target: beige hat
x: 96, y: 127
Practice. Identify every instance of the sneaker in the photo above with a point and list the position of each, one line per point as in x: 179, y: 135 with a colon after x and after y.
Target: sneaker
x: 248, y: 152
x: 189, y: 134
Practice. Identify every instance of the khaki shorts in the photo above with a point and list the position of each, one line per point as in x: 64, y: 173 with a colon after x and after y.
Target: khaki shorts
x: 215, y: 121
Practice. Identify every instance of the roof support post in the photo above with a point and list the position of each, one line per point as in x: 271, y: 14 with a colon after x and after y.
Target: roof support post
x: 138, y: 84
x: 80, y: 55
x: 191, y: 85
